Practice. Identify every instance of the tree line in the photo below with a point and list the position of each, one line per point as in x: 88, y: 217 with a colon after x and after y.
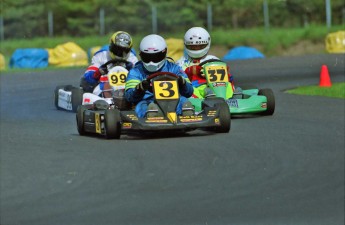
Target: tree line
x: 30, y: 18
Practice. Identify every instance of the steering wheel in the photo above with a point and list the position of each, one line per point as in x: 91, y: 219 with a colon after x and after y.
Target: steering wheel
x: 210, y: 60
x: 168, y: 75
x: 114, y: 61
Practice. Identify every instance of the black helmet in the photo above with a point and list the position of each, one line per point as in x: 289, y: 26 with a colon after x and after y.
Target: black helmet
x: 120, y: 45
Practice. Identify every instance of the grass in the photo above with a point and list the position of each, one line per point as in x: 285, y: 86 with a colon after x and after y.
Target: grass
x: 269, y: 42
x: 337, y: 90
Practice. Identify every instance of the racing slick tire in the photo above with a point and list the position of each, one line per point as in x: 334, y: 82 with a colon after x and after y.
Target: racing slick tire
x: 211, y: 102
x: 224, y: 118
x: 268, y: 93
x: 80, y: 119
x: 112, y: 124
x: 56, y: 95
x: 77, y: 98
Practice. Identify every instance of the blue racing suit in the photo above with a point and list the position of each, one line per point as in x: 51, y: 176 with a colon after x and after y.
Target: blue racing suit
x: 143, y: 99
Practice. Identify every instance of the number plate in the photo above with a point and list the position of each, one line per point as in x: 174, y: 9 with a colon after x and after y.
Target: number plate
x: 166, y: 89
x: 216, y: 73
x: 117, y: 78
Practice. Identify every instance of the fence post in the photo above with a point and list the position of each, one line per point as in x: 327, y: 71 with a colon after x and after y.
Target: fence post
x: 2, y: 36
x: 101, y: 21
x: 266, y: 16
x: 154, y: 19
x: 50, y: 24
x: 209, y: 16
x: 328, y: 13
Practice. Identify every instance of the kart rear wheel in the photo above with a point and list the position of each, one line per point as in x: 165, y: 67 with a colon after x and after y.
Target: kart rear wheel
x: 80, y: 119
x: 112, y: 124
x: 56, y: 95
x: 224, y: 118
x: 268, y: 93
x: 77, y: 98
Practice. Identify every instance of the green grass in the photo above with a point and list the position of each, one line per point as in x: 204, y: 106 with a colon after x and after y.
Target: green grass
x: 271, y: 42
x: 337, y: 90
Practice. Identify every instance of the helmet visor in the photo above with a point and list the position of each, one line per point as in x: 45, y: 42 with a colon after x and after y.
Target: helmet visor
x: 152, y: 57
x: 119, y: 50
x: 196, y: 47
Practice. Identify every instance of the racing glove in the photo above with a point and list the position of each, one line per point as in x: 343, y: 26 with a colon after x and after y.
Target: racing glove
x: 143, y: 86
x: 129, y: 65
x: 102, y: 70
x: 181, y: 81
x: 193, y: 71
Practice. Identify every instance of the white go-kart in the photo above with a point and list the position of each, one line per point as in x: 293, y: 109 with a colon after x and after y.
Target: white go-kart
x: 68, y: 97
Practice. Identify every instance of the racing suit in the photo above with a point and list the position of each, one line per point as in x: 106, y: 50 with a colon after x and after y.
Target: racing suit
x: 90, y: 78
x: 193, y: 71
x: 143, y: 99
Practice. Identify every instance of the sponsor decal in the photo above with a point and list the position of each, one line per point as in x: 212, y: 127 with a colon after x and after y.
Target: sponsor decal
x: 219, y: 84
x: 232, y: 103
x: 98, y: 123
x: 192, y: 119
x: 132, y: 117
x: 86, y: 100
x: 216, y: 120
x: 196, y: 42
x: 264, y: 105
x: 211, y: 113
x: 127, y: 125
x: 156, y: 121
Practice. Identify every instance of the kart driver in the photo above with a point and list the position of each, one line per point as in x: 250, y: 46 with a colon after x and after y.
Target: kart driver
x: 119, y: 48
x: 153, y: 51
x: 197, y: 43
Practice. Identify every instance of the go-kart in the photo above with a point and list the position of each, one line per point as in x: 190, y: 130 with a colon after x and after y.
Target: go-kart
x: 106, y: 119
x: 245, y: 100
x: 68, y: 97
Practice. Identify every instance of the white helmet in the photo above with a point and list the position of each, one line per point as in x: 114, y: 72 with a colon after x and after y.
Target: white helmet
x: 197, y: 42
x: 153, y: 51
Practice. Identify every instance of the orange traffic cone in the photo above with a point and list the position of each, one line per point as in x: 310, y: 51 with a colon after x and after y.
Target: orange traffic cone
x: 325, y: 80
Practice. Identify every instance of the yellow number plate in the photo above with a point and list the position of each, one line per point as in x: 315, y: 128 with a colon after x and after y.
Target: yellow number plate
x: 166, y: 89
x: 217, y: 74
x: 117, y: 78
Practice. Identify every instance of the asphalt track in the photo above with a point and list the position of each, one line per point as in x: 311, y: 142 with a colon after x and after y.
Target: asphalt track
x: 285, y: 169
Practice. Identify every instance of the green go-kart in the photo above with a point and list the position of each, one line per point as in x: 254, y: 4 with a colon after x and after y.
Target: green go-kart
x: 245, y: 100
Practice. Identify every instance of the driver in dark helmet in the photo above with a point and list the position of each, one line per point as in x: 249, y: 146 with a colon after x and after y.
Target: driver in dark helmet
x: 119, y: 48
x: 153, y: 52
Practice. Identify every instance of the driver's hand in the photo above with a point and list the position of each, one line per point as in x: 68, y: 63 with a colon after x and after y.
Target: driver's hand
x: 181, y: 81
x: 143, y: 85
x: 103, y: 70
x: 193, y: 71
x: 202, y: 73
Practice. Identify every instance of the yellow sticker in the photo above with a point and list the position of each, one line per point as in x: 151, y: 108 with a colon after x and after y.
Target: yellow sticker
x: 172, y: 117
x: 166, y: 89
x: 97, y: 123
x: 127, y: 125
x: 117, y: 78
x: 217, y: 74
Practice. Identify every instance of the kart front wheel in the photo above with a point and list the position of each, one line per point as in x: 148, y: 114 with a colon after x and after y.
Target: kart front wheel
x: 268, y: 93
x: 112, y: 124
x: 224, y: 118
x: 80, y: 119
x: 77, y: 98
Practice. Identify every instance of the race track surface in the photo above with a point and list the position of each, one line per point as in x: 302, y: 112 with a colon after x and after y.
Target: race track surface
x: 285, y: 169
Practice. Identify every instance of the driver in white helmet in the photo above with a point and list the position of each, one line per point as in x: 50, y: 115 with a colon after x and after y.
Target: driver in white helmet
x: 120, y: 47
x: 197, y: 43
x: 153, y: 52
